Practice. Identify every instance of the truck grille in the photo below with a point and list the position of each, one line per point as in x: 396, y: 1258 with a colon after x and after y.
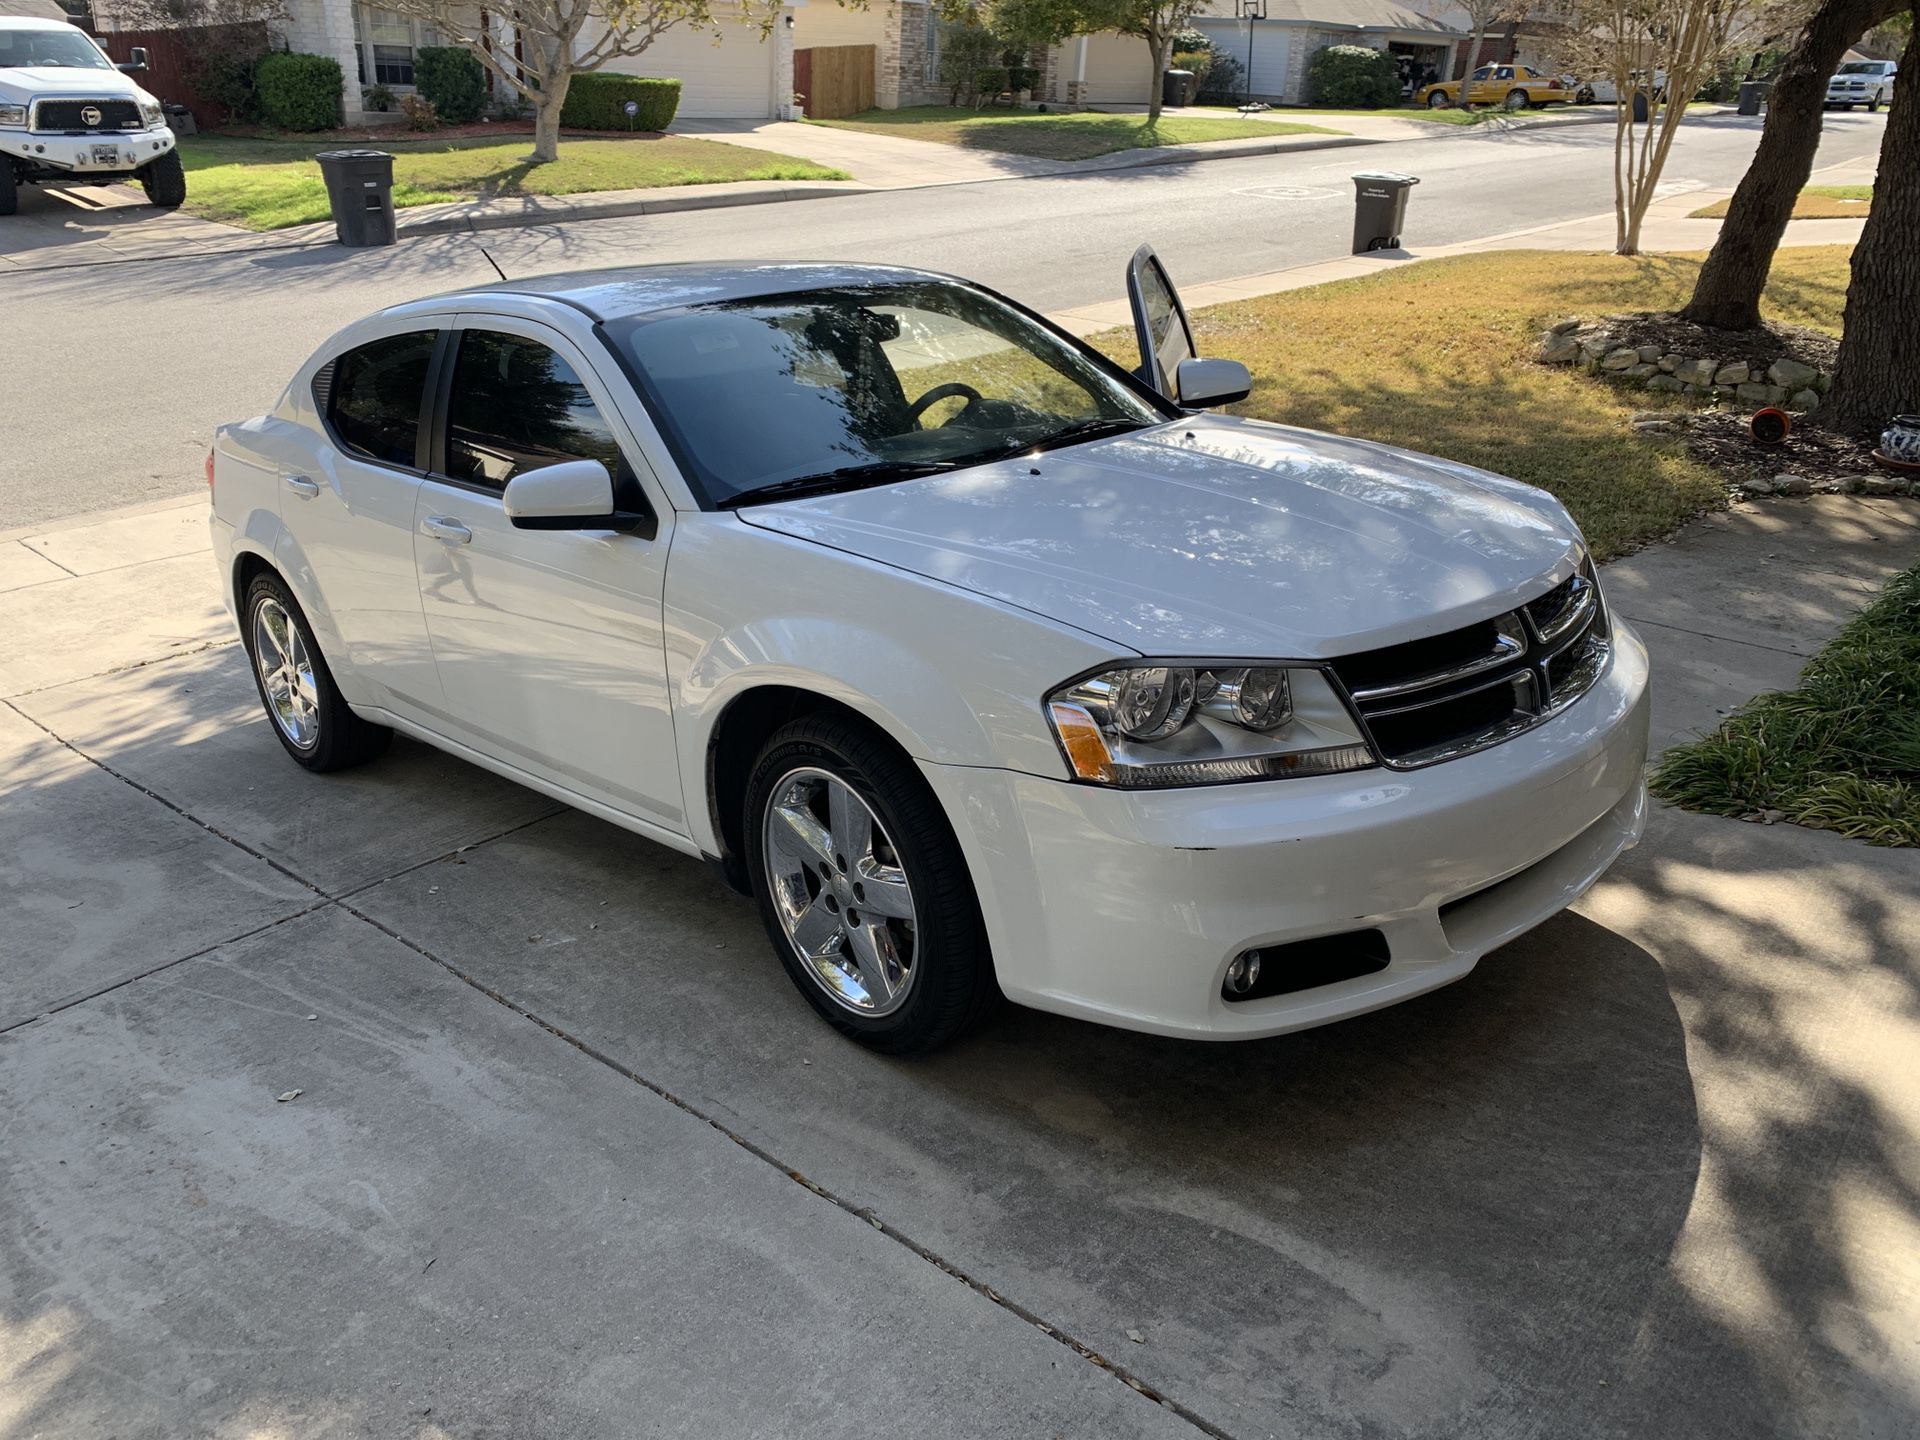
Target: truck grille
x: 1434, y: 699
x: 62, y: 115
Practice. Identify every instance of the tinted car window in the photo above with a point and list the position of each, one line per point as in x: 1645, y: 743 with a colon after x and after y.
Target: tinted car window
x: 518, y: 406
x: 373, y: 405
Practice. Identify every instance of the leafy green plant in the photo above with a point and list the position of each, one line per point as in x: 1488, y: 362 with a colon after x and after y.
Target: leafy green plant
x: 420, y: 112
x: 1222, y: 83
x: 450, y: 77
x: 965, y: 50
x: 299, y: 92
x: 598, y: 102
x: 1840, y: 751
x: 1342, y: 76
x: 377, y: 98
x: 1198, y: 61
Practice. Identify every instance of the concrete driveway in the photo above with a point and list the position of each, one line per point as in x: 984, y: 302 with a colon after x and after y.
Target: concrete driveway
x: 569, y: 1156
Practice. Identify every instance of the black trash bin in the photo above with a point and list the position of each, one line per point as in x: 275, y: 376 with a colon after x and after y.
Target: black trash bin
x: 360, y: 194
x: 1379, y: 208
x: 1641, y: 104
x: 1176, y: 88
x: 1752, y: 92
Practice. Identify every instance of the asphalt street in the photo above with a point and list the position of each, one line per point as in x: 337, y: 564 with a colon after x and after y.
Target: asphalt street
x: 112, y: 377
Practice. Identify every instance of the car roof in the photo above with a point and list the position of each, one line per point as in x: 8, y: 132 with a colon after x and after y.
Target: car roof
x: 9, y: 21
x: 618, y: 294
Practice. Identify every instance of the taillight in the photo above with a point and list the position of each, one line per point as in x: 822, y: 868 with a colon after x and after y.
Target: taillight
x: 209, y: 469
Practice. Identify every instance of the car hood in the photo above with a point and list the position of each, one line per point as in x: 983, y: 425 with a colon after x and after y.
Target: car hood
x: 1216, y: 537
x: 49, y: 82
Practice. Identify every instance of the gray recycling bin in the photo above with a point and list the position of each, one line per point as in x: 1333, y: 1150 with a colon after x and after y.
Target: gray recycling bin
x: 360, y: 194
x: 1176, y: 88
x: 1752, y: 92
x: 1379, y: 208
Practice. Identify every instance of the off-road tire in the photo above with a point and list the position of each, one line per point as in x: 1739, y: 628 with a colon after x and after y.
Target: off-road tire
x: 345, y: 740
x: 953, y: 988
x: 165, y: 181
x: 9, y: 188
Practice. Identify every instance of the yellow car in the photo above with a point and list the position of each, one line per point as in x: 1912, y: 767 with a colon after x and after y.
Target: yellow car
x: 1513, y: 87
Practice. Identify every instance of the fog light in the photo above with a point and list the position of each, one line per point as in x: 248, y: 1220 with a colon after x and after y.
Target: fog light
x: 1244, y: 973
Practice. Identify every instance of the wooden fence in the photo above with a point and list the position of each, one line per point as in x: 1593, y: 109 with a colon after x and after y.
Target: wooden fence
x: 172, y: 57
x: 837, y: 80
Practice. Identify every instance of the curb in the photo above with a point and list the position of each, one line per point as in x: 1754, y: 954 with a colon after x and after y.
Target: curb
x: 616, y: 209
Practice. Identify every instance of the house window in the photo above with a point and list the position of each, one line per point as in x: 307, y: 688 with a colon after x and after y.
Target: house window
x: 932, y: 74
x: 385, y: 42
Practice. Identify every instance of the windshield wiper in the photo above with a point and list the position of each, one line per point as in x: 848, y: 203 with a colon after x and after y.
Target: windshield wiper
x: 1082, y: 431
x: 829, y: 482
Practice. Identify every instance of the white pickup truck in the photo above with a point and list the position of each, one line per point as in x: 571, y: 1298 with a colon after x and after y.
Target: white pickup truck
x: 70, y: 115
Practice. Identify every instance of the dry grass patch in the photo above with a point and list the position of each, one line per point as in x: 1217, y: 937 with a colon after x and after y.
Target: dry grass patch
x: 1816, y: 202
x: 1433, y: 357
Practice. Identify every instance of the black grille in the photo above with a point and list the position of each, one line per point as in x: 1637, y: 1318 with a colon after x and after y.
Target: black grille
x: 1309, y: 964
x: 66, y: 115
x: 1450, y: 694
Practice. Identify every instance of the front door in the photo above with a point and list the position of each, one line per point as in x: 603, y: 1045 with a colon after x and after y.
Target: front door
x: 548, y: 642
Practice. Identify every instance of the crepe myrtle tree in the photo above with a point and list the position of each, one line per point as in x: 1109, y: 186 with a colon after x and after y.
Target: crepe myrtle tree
x: 1483, y: 18
x: 557, y: 40
x: 1637, y: 45
x: 1038, y: 24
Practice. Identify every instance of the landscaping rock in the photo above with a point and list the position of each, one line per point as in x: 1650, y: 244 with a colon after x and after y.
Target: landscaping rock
x: 1617, y: 360
x: 1595, y: 347
x: 1671, y: 363
x: 1757, y: 486
x: 1805, y: 401
x: 1557, y: 348
x: 1665, y: 382
x: 1821, y: 382
x: 1561, y: 327
x: 1735, y: 374
x: 1791, y: 373
x: 1755, y: 393
x: 1645, y: 370
x: 1792, y: 485
x: 1841, y: 485
x: 1695, y: 372
x: 1882, y: 485
x: 1650, y: 354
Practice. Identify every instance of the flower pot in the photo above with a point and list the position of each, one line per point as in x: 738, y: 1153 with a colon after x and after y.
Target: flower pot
x: 1900, y: 441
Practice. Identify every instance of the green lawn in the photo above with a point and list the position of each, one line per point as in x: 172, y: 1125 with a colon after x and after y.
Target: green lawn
x: 1816, y: 202
x: 1840, y: 751
x: 1077, y: 136
x: 1435, y: 357
x: 268, y: 184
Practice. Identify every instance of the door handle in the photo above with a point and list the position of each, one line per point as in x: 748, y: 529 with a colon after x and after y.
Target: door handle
x: 303, y: 487
x: 451, y: 532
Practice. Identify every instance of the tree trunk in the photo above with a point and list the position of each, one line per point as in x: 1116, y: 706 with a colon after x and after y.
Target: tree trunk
x: 1158, y: 45
x: 546, y: 118
x: 1878, y: 372
x: 1466, y: 73
x: 1727, y: 294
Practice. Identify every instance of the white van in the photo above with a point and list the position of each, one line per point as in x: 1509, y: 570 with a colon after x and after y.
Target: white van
x: 68, y: 113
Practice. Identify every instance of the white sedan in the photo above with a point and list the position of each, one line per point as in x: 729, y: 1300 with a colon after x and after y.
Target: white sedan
x: 986, y: 666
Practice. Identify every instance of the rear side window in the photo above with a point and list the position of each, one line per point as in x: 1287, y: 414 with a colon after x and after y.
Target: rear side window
x: 517, y: 406
x: 372, y: 400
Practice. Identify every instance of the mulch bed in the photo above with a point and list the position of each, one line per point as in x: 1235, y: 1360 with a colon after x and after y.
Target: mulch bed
x: 1759, y: 348
x: 398, y: 133
x: 1720, y: 438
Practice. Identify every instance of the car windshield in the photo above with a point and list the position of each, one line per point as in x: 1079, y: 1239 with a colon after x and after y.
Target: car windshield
x: 1860, y: 67
x: 838, y: 388
x: 57, y: 49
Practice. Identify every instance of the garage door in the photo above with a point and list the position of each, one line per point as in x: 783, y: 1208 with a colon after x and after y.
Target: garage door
x: 1269, y: 53
x: 731, y: 79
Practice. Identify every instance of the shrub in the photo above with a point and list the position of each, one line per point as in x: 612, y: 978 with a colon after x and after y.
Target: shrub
x: 420, y: 113
x: 1222, y: 82
x: 452, y: 78
x: 596, y: 102
x: 1352, y: 75
x: 989, y: 81
x: 965, y: 49
x: 377, y: 98
x: 1022, y: 77
x: 299, y: 92
x: 1199, y: 62
x: 226, y: 79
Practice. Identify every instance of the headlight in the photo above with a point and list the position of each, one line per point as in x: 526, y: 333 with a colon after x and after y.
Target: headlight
x: 1150, y: 724
x: 13, y: 114
x: 151, y: 114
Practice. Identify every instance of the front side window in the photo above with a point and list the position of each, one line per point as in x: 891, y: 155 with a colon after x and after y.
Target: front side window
x: 785, y: 389
x: 373, y: 401
x: 517, y: 406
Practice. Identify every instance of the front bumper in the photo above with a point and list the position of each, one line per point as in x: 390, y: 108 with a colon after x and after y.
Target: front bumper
x: 102, y: 154
x: 1127, y: 907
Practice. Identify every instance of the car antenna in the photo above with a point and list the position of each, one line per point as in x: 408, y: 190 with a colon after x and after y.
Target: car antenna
x: 493, y: 262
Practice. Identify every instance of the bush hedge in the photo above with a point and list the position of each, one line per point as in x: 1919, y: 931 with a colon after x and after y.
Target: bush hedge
x: 452, y: 78
x: 596, y: 102
x: 299, y: 92
x: 1352, y: 76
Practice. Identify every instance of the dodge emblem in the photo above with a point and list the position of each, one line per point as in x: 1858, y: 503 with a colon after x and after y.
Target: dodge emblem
x: 89, y: 114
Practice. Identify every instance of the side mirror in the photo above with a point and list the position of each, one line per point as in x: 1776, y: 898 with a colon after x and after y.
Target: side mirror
x: 1159, y: 321
x: 135, y: 65
x: 573, y: 495
x: 1206, y: 383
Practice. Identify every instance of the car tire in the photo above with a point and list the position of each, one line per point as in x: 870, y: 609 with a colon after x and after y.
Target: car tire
x: 309, y: 717
x: 9, y: 188
x: 947, y: 985
x: 1438, y: 100
x: 1873, y: 105
x: 1517, y: 100
x: 165, y: 181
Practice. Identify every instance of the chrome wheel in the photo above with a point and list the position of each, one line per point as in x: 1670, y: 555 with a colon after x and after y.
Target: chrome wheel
x: 839, y: 892
x: 286, y: 674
